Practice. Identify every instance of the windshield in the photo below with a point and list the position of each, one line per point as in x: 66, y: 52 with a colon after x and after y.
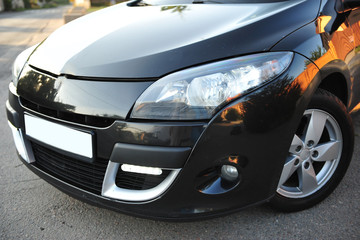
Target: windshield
x: 169, y: 2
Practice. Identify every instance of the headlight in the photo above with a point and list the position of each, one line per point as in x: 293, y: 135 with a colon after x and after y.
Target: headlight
x: 19, y: 63
x: 197, y: 93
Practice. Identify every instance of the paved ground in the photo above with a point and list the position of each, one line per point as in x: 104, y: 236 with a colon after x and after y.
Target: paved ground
x: 32, y: 209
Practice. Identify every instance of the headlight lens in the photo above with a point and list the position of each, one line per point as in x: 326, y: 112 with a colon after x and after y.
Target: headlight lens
x: 197, y: 93
x: 19, y: 63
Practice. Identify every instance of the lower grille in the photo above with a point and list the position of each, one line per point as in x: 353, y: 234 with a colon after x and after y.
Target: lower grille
x: 87, y: 176
x: 137, y: 181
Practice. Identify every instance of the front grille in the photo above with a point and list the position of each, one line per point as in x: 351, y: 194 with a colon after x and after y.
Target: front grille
x: 87, y: 176
x: 137, y: 181
x: 71, y: 117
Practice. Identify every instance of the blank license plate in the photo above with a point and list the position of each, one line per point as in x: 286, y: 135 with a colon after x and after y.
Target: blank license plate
x: 59, y: 136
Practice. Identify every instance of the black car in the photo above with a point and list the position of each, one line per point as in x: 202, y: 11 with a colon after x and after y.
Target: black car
x: 178, y: 109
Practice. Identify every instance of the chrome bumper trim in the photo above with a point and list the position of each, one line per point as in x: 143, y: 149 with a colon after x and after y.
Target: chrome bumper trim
x: 109, y: 188
x: 19, y: 142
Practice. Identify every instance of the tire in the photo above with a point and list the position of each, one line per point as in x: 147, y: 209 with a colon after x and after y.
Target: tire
x: 319, y: 154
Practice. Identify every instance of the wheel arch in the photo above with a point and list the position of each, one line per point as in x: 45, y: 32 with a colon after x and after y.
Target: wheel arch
x: 336, y: 79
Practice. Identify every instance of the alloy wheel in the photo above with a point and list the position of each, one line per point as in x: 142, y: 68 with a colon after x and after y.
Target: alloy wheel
x: 313, y: 157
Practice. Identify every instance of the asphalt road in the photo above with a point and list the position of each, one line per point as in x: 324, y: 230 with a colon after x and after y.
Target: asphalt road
x: 32, y: 209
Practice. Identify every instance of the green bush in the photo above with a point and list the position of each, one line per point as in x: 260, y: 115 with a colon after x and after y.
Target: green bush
x: 99, y: 3
x: 50, y: 5
x: 27, y: 3
x: 61, y: 2
x: 8, y: 5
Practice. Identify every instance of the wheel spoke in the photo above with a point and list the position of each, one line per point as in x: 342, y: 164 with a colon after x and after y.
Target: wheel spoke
x: 315, y: 127
x: 288, y: 170
x: 295, y: 144
x: 307, y: 178
x: 328, y: 151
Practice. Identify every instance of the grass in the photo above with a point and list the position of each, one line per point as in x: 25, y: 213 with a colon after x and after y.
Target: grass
x: 96, y: 8
x: 357, y: 49
x: 61, y: 2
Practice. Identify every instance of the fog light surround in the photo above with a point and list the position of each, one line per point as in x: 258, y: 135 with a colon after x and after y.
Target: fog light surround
x: 229, y: 173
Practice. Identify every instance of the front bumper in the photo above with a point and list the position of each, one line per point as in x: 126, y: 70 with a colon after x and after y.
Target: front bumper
x: 253, y: 134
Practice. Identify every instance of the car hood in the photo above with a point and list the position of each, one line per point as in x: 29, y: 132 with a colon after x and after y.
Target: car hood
x: 124, y: 42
